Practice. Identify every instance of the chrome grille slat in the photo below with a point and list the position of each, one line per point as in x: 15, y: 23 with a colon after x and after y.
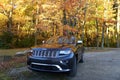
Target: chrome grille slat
x: 48, y: 53
x: 45, y: 53
x: 41, y: 53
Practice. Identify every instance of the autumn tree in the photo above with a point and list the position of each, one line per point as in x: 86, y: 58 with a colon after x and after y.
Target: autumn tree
x: 36, y: 20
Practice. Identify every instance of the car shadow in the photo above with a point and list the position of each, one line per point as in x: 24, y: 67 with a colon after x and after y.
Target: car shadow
x: 32, y: 75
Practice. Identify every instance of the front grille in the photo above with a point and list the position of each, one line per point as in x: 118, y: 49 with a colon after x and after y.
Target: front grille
x: 45, y: 53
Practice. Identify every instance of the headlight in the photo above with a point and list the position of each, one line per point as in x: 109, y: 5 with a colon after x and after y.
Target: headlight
x: 65, y: 52
x: 29, y: 53
x: 30, y: 50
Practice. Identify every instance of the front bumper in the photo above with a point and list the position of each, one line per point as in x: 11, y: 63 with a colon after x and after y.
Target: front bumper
x: 63, y: 64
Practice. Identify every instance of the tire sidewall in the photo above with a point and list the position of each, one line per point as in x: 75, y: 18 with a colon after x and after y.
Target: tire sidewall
x: 73, y: 71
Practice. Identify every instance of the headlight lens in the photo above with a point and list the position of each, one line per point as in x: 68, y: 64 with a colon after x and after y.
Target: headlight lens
x: 29, y: 53
x: 64, y: 52
x: 30, y: 50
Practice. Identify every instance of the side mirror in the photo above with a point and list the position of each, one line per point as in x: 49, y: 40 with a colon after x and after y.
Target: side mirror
x: 79, y: 42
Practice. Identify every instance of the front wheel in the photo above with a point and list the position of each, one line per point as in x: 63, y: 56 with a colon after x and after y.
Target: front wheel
x: 73, y: 71
x: 81, y: 55
x: 81, y: 60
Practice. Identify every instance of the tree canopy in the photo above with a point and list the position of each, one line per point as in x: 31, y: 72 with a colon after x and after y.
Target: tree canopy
x: 30, y: 21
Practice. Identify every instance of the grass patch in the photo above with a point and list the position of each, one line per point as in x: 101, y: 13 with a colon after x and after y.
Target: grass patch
x: 4, y: 76
x: 20, y: 65
x: 10, y: 51
x: 6, y: 67
x: 15, y: 62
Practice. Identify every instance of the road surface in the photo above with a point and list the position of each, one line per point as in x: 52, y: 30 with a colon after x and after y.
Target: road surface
x: 96, y: 66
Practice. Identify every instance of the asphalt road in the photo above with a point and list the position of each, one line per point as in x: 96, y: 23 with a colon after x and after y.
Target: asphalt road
x: 96, y: 66
x: 100, y: 66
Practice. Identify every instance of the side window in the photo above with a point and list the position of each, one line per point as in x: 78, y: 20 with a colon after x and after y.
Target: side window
x: 72, y: 40
x: 60, y: 40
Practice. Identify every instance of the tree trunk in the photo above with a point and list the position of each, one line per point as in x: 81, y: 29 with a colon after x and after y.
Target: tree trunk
x: 118, y: 25
x: 97, y: 38
x: 84, y: 22
x: 9, y: 24
x: 37, y: 20
x: 107, y: 37
x: 83, y: 26
x: 103, y: 31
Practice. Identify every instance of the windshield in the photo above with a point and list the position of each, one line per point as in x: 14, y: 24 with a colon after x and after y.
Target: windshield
x: 61, y: 40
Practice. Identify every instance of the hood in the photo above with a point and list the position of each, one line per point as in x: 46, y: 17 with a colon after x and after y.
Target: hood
x: 56, y: 46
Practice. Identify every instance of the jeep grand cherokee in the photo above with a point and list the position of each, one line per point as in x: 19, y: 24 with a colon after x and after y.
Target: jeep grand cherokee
x: 57, y: 54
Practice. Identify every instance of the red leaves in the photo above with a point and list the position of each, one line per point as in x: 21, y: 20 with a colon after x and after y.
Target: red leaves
x: 69, y: 4
x: 11, y: 63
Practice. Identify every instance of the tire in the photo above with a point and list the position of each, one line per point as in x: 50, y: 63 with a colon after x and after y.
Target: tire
x: 73, y: 71
x: 82, y: 52
x: 81, y: 60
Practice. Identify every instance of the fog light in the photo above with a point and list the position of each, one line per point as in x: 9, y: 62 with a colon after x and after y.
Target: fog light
x: 61, y: 62
x: 64, y: 62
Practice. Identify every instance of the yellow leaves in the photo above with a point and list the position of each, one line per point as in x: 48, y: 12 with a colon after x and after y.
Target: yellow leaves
x: 3, y: 19
x: 51, y: 12
x: 48, y: 6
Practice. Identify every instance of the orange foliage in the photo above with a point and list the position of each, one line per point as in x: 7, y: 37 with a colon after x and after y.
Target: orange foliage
x: 66, y: 27
x: 70, y: 4
x: 41, y: 27
x: 111, y: 21
x: 1, y: 6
